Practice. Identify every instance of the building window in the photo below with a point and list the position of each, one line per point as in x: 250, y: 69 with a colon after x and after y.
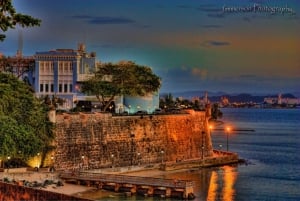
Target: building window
x: 51, y: 67
x: 41, y: 87
x: 46, y: 88
x: 71, y: 87
x: 66, y: 67
x: 60, y: 67
x: 52, y: 87
x: 42, y: 69
x: 60, y: 88
x: 65, y: 87
x: 46, y: 69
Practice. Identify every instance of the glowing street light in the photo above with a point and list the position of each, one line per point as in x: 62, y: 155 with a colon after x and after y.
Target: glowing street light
x: 112, y: 160
x: 228, y: 129
x: 162, y: 156
x: 8, y: 162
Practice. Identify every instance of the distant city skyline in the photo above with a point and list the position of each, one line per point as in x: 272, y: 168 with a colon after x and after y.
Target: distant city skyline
x: 232, y: 46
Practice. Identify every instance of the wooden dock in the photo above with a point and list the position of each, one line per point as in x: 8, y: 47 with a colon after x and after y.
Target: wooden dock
x: 147, y: 186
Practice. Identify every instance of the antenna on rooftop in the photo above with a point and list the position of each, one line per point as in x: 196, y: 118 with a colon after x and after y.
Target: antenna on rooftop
x: 20, y: 44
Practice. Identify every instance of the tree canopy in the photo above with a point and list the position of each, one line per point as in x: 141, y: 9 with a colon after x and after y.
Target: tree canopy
x: 122, y: 78
x: 24, y: 126
x: 10, y: 18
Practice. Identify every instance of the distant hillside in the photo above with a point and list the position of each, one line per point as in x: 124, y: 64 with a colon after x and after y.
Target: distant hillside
x: 216, y: 96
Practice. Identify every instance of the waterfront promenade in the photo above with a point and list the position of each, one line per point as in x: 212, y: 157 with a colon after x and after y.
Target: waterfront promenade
x: 121, y: 175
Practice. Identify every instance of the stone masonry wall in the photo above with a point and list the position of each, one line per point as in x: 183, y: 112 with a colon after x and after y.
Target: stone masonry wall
x: 13, y: 192
x: 102, y: 140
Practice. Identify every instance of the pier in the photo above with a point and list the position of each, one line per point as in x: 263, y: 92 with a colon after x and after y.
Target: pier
x: 147, y: 186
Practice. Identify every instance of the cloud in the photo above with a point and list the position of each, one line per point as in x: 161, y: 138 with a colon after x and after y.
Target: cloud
x: 247, y: 19
x: 216, y: 15
x: 209, y: 8
x: 112, y: 46
x: 211, y: 26
x: 213, y: 43
x: 257, y: 1
x: 183, y: 6
x: 104, y: 20
x: 212, y: 10
x: 201, y: 73
x: 249, y: 77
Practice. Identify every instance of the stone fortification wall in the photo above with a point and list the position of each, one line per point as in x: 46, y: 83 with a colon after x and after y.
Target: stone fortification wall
x: 102, y: 140
x: 14, y: 192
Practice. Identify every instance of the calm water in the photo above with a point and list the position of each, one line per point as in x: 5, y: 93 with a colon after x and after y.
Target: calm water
x: 273, y: 153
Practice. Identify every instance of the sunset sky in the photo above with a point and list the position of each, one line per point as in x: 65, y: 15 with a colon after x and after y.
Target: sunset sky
x: 250, y: 46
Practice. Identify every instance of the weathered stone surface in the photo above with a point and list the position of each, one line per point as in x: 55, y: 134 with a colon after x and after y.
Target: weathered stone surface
x: 14, y: 192
x: 102, y: 140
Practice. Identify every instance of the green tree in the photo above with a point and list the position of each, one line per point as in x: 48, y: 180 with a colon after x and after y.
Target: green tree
x: 10, y: 18
x: 24, y: 126
x: 122, y: 78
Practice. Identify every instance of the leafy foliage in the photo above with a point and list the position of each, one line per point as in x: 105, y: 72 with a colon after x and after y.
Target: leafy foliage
x: 10, y: 18
x: 24, y: 126
x: 123, y: 78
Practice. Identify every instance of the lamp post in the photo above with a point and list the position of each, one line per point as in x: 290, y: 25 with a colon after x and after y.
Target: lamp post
x: 112, y: 160
x: 52, y: 164
x: 82, y: 158
x: 139, y: 159
x: 132, y: 148
x: 202, y: 147
x: 162, y: 156
x: 8, y: 162
x: 38, y: 161
x: 227, y: 135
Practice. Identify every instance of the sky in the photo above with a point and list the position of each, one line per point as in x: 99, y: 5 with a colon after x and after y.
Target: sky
x: 250, y: 46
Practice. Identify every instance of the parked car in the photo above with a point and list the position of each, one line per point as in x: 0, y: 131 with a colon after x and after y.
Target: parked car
x: 141, y: 112
x: 158, y: 111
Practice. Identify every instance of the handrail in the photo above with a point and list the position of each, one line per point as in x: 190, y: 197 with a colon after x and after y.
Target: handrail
x: 113, y: 178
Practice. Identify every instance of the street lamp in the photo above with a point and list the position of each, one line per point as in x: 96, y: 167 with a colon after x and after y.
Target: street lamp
x: 112, y: 160
x: 202, y: 147
x: 8, y: 162
x: 132, y: 150
x: 210, y: 127
x: 82, y: 158
x: 162, y: 156
x: 228, y: 129
x: 139, y: 159
x: 38, y: 161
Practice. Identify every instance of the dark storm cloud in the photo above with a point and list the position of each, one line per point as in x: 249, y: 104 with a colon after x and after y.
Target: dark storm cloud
x: 211, y: 43
x: 104, y: 20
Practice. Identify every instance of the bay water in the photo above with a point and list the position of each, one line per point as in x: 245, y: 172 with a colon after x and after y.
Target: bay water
x: 272, y: 152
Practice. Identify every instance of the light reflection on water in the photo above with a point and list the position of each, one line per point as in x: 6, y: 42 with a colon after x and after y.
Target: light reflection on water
x: 211, y: 184
x: 221, y: 185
